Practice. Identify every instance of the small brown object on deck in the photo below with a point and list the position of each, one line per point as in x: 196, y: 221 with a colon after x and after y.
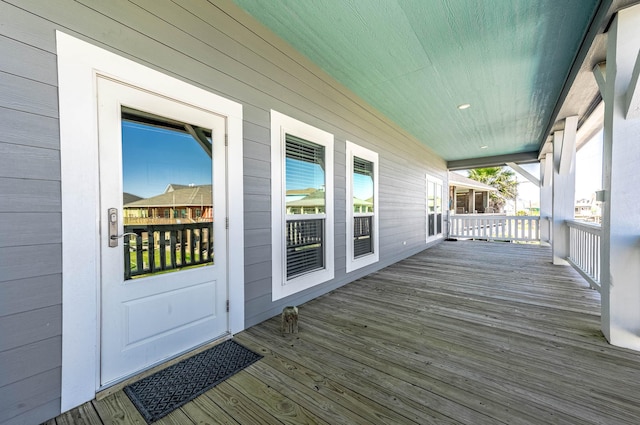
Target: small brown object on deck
x: 290, y: 320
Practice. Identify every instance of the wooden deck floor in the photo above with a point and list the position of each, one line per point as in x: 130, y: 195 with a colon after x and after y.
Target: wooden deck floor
x: 466, y: 332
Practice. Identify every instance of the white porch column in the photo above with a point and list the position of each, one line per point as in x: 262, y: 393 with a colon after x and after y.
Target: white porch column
x: 453, y: 199
x: 472, y: 201
x: 546, y: 197
x: 620, y: 242
x: 563, y: 188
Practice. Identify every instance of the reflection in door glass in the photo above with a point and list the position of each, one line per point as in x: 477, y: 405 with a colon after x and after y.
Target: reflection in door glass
x: 167, y: 195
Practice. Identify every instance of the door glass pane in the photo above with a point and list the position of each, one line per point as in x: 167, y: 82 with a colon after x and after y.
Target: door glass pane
x: 167, y: 195
x: 431, y: 196
x: 431, y: 207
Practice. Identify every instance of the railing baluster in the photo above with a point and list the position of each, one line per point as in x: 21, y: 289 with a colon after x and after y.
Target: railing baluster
x: 192, y: 246
x: 172, y: 247
x: 139, y: 257
x: 163, y: 251
x: 183, y: 247
x: 584, y: 250
x: 210, y: 244
x: 152, y: 249
x: 127, y: 262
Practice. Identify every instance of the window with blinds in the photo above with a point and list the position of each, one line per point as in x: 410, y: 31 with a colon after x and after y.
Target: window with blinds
x: 362, y: 206
x: 305, y: 206
x: 361, y: 214
x: 302, y: 212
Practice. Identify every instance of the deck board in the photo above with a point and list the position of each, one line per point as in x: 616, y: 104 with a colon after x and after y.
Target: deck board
x: 463, y: 333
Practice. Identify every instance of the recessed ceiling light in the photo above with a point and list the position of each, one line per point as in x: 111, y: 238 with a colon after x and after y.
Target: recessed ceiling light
x: 464, y: 106
x: 484, y: 147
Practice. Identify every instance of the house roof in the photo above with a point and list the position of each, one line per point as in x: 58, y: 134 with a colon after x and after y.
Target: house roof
x: 463, y: 182
x: 177, y: 196
x: 313, y: 199
x: 300, y: 192
x: 129, y: 197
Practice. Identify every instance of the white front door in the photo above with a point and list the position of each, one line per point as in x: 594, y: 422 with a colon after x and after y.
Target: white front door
x: 163, y: 238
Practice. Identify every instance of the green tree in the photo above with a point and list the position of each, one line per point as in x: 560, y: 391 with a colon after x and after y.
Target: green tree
x: 502, y: 179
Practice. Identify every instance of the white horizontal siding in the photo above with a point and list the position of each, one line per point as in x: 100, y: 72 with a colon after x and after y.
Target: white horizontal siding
x: 213, y: 46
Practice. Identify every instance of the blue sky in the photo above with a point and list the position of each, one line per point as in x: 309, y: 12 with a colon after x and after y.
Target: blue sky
x: 303, y: 175
x: 362, y: 186
x: 153, y: 158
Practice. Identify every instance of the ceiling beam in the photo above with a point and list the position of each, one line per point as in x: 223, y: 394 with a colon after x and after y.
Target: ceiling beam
x: 633, y: 93
x: 493, y: 161
x: 568, y: 154
x: 201, y: 138
x: 547, y: 169
x: 524, y: 173
x: 600, y: 74
x: 596, y: 26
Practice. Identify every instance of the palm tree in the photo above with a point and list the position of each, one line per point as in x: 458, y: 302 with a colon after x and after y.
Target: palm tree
x: 502, y: 179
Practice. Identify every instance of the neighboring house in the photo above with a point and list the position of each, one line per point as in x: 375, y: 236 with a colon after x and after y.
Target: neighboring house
x: 467, y: 196
x: 179, y: 203
x: 583, y: 208
x: 588, y: 210
x: 313, y: 202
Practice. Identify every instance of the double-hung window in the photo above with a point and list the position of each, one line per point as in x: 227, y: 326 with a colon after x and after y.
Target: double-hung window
x: 362, y: 207
x: 302, y: 205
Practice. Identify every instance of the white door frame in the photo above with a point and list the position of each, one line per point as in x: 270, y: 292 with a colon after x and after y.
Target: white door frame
x: 78, y: 64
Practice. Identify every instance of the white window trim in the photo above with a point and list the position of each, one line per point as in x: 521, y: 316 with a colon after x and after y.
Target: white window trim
x: 353, y: 150
x: 79, y: 63
x: 281, y: 125
x: 430, y: 178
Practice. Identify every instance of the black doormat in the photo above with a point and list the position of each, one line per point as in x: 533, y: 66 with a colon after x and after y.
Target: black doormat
x: 159, y: 394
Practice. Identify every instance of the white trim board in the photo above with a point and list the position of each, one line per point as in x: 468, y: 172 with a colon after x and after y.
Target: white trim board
x: 78, y: 64
x: 437, y: 181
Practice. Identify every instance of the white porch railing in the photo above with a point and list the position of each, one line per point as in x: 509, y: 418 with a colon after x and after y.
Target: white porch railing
x: 584, y: 250
x: 495, y: 227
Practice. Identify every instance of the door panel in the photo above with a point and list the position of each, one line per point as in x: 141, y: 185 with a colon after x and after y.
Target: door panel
x: 154, y: 316
x: 162, y: 173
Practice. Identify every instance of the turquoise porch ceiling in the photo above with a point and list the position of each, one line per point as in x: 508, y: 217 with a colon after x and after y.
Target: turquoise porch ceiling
x: 416, y: 60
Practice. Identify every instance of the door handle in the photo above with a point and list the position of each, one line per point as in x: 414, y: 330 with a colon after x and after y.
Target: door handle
x: 112, y: 218
x: 115, y: 237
